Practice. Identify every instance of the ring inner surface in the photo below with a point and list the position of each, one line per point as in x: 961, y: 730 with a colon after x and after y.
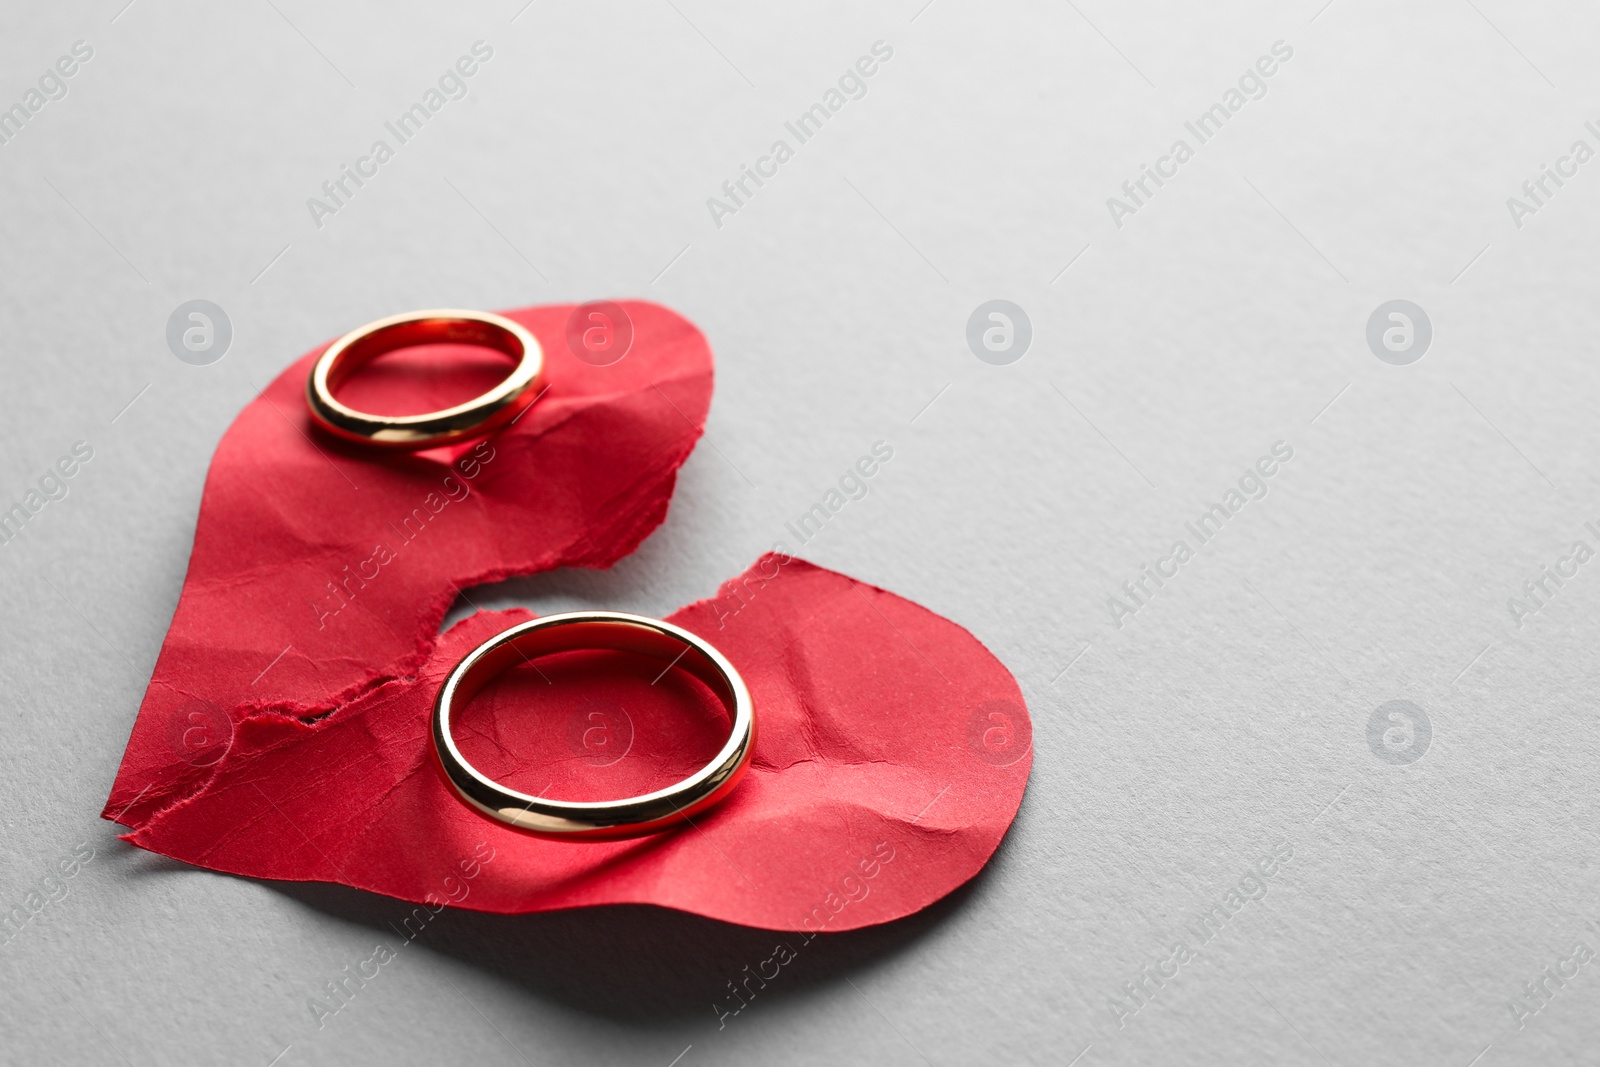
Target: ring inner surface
x: 436, y: 331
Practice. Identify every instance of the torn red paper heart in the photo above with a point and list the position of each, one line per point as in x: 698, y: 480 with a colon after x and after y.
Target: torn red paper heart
x: 321, y: 569
x: 891, y: 755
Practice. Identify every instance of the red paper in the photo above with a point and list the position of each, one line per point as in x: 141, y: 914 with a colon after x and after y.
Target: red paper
x: 891, y: 754
x: 321, y: 569
x: 285, y: 733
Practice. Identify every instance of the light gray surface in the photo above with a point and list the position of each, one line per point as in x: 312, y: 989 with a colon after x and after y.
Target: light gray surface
x: 1229, y: 715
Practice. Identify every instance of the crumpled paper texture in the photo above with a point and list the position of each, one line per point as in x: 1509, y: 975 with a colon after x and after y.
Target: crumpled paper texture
x: 891, y: 756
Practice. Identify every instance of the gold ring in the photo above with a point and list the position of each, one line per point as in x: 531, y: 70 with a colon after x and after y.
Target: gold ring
x: 475, y: 418
x: 631, y: 816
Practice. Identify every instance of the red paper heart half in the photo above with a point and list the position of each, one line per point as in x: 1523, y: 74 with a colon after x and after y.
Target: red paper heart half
x: 892, y: 750
x: 321, y: 569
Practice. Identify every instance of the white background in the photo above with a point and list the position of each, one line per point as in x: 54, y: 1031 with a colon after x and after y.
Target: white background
x: 1229, y: 313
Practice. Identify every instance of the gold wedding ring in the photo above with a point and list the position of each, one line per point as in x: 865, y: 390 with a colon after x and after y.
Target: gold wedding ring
x: 631, y: 816
x: 475, y: 418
